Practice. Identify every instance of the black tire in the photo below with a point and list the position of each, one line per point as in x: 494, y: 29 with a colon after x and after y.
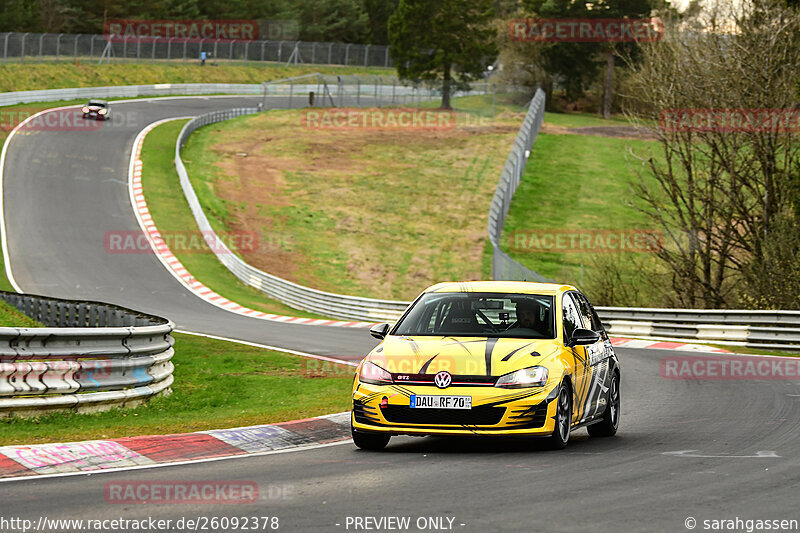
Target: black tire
x: 608, y: 427
x: 369, y: 441
x: 558, y: 440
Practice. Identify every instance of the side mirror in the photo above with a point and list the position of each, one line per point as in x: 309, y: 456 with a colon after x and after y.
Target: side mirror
x: 379, y: 331
x: 583, y: 337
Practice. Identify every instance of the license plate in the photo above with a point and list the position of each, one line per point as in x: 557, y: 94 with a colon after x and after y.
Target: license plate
x: 440, y: 402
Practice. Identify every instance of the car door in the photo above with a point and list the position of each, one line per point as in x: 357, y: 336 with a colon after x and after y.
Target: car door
x: 597, y: 370
x: 571, y: 321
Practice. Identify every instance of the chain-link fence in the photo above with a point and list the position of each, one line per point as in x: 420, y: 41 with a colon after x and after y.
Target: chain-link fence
x: 28, y: 47
x: 318, y: 90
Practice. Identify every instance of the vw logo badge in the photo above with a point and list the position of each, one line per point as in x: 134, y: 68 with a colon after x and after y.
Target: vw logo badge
x: 443, y: 379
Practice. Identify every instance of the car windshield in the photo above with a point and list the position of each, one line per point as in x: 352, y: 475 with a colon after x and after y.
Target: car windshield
x: 97, y: 104
x: 475, y: 314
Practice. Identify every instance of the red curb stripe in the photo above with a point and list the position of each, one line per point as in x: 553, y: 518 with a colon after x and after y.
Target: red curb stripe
x: 11, y: 468
x: 171, y: 448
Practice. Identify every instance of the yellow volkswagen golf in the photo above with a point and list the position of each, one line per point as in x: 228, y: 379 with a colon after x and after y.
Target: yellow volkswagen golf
x: 501, y: 358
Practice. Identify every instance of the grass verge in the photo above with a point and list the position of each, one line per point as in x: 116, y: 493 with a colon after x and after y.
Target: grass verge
x: 571, y: 184
x: 173, y: 217
x: 10, y: 317
x: 380, y: 213
x: 218, y: 384
x: 32, y: 76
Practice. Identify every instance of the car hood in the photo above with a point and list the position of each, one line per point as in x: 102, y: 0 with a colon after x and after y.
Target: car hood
x: 470, y: 356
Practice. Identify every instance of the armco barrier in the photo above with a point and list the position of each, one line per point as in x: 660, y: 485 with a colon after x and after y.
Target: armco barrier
x: 292, y: 294
x: 764, y: 329
x: 755, y: 329
x: 89, y: 356
x: 128, y: 91
x: 503, y: 267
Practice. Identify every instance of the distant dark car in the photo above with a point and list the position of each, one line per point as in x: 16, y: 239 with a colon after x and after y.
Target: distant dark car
x: 97, y: 109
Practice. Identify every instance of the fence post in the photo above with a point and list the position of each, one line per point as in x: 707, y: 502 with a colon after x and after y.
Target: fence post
x: 58, y: 47
x: 347, y: 54
x: 185, y: 41
x: 41, y: 38
x: 138, y: 50
x: 386, y: 60
x: 22, y: 52
x: 330, y: 53
x: 153, y: 51
x: 246, y: 50
x: 366, y: 54
x: 5, y: 47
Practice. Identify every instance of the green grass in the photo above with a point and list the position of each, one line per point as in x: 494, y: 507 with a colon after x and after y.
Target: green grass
x: 10, y: 317
x: 32, y: 75
x: 575, y: 183
x: 218, y: 384
x: 372, y: 213
x: 580, y: 120
x: 171, y: 214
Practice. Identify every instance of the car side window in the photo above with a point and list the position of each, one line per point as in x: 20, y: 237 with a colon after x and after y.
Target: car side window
x: 572, y: 318
x: 590, y: 318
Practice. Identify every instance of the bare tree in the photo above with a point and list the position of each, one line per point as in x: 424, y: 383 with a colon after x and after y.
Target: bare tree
x: 723, y: 186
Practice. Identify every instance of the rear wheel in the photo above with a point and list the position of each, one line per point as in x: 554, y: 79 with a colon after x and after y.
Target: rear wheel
x: 608, y: 427
x: 558, y: 440
x: 369, y: 441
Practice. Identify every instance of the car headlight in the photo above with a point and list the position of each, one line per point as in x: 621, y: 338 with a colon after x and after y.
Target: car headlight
x: 103, y: 111
x: 372, y: 373
x: 533, y: 376
x: 85, y: 109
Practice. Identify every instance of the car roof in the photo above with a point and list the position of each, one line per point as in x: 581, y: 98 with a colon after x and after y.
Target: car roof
x: 509, y: 287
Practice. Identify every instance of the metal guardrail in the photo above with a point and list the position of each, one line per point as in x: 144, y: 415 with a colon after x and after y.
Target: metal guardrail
x: 89, y: 356
x: 503, y: 267
x: 755, y: 329
x: 34, y: 47
x: 292, y: 294
x: 128, y: 91
x: 763, y: 329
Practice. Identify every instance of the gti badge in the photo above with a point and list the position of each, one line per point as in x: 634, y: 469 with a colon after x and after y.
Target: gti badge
x: 443, y: 379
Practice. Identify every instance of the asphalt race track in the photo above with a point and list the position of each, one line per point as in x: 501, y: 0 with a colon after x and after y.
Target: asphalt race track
x: 686, y: 448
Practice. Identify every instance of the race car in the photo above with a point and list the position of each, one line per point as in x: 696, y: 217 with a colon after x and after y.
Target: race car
x: 97, y: 109
x: 497, y: 358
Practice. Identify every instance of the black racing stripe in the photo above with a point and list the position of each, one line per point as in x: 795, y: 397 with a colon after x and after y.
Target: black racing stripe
x: 490, y: 344
x: 456, y: 341
x: 424, y: 368
x: 506, y: 358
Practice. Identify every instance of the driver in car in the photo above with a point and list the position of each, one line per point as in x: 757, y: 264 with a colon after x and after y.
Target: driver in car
x: 528, y: 316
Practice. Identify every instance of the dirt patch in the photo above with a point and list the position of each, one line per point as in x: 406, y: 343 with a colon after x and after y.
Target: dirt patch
x: 374, y: 213
x: 619, y: 132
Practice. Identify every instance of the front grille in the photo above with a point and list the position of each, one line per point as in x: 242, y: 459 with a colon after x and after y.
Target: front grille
x: 477, y: 416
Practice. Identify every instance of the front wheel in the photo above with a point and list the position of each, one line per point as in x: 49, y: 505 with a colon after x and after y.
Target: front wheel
x: 369, y: 441
x: 608, y: 427
x: 558, y: 440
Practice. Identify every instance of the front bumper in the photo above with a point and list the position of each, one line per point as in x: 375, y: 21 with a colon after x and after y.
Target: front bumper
x: 495, y: 411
